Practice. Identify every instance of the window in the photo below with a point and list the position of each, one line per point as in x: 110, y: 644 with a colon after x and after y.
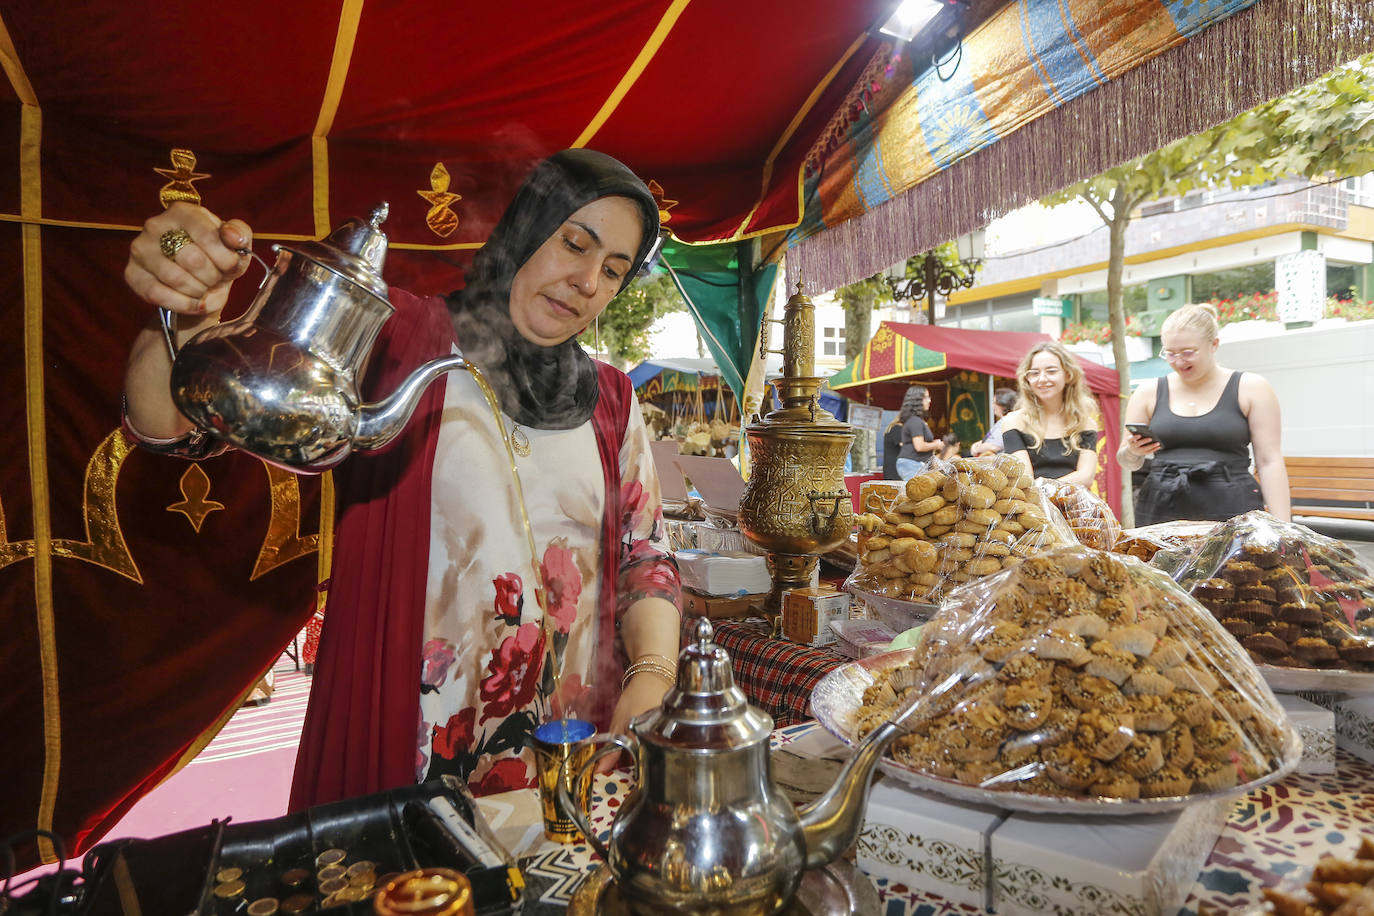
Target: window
x: 1093, y: 305
x: 832, y: 343
x: 1236, y: 281
x: 1340, y: 281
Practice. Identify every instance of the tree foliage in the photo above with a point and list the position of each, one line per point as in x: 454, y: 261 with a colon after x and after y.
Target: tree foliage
x: 622, y: 331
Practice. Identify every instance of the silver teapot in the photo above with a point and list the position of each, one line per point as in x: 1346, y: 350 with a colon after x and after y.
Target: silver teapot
x: 281, y: 380
x: 705, y: 830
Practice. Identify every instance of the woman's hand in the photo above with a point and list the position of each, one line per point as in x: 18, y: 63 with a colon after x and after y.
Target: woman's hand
x: 1141, y: 446
x: 642, y: 692
x: 186, y: 258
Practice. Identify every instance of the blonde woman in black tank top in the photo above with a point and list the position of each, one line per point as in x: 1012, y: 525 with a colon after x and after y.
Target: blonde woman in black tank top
x: 1207, y: 419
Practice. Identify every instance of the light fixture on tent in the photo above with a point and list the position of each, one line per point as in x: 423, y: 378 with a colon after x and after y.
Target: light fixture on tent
x: 912, y: 16
x: 930, y: 27
x: 933, y: 275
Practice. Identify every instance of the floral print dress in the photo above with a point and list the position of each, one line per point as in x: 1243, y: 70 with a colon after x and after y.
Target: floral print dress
x: 486, y: 682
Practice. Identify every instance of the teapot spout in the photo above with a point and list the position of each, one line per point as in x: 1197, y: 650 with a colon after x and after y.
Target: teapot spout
x: 380, y: 422
x: 832, y: 822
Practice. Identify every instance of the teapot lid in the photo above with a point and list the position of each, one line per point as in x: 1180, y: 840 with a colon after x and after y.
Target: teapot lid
x: 356, y: 250
x: 705, y: 711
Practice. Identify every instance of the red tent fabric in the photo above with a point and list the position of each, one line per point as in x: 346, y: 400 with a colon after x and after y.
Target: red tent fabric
x: 901, y: 354
x: 140, y: 595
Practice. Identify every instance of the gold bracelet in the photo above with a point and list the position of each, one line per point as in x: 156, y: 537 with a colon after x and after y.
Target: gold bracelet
x: 670, y: 663
x: 653, y: 667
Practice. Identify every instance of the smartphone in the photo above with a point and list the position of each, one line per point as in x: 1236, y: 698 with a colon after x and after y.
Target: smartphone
x: 1143, y: 430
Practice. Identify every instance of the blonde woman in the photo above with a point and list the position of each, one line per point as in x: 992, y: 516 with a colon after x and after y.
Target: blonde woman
x: 1205, y: 421
x: 1053, y: 431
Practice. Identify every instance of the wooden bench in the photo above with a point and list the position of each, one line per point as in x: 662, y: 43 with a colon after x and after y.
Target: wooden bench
x: 1332, y: 487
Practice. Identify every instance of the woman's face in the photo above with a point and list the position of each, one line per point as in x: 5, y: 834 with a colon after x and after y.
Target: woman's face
x: 1046, y: 376
x: 1188, y: 353
x: 571, y: 278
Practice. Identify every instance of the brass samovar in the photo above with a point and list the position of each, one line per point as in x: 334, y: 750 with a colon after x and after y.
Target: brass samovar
x: 795, y: 504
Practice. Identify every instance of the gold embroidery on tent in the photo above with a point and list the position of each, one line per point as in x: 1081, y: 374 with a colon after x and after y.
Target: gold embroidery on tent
x: 195, y: 486
x: 183, y: 177
x: 442, y: 221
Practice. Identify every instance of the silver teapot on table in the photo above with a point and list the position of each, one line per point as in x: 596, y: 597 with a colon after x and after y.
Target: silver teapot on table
x: 281, y: 381
x: 706, y: 831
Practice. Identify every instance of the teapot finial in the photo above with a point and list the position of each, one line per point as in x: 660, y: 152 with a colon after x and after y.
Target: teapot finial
x: 703, y: 633
x: 379, y: 214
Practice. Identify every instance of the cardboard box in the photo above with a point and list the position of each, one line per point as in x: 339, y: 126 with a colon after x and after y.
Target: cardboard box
x: 695, y: 604
x: 1317, y: 728
x: 925, y: 841
x: 1066, y: 864
x: 807, y: 612
x: 1355, y: 727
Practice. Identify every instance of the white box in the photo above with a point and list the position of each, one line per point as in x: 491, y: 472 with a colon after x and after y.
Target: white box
x: 807, y: 613
x: 1355, y: 727
x: 1066, y: 864
x: 723, y: 573
x: 1317, y: 728
x: 928, y: 842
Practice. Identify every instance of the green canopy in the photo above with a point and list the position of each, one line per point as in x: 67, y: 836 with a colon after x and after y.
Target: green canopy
x: 726, y: 300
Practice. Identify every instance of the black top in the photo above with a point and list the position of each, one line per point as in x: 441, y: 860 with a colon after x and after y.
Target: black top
x: 1053, y: 459
x: 911, y: 429
x: 892, y: 444
x: 1221, y: 434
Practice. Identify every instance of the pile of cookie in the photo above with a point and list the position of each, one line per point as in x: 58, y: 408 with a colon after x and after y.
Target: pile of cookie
x: 1085, y: 674
x: 1090, y: 519
x: 1289, y: 599
x: 953, y: 523
x: 1337, y: 886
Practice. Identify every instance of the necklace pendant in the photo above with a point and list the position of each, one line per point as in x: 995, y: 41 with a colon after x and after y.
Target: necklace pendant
x: 519, y: 442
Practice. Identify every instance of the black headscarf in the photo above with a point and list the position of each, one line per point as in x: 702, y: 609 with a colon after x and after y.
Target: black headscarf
x: 541, y: 387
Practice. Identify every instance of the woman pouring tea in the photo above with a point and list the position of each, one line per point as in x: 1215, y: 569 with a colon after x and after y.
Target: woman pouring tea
x: 446, y: 643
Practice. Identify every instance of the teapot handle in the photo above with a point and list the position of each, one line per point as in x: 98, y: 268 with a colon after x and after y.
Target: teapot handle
x: 615, y: 743
x: 168, y: 317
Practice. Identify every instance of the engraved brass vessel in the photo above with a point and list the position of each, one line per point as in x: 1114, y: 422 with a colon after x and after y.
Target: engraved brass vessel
x: 795, y: 504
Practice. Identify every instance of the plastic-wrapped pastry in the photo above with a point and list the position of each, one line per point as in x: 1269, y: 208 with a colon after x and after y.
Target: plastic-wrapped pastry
x: 1082, y: 674
x: 1292, y: 597
x: 1088, y: 516
x: 950, y: 524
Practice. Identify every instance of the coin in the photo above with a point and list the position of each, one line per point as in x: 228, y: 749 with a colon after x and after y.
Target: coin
x: 361, y: 866
x: 351, y: 893
x: 330, y: 872
x: 297, y: 903
x: 333, y: 886
x: 263, y: 906
x: 228, y: 874
x: 295, y: 877
x: 228, y: 889
x: 363, y: 879
x: 329, y: 857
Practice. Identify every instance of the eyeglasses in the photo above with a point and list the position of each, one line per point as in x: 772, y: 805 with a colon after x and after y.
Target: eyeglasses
x: 1171, y: 355
x: 1051, y: 373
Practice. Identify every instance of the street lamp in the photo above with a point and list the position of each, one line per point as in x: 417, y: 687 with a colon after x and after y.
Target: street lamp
x: 933, y: 275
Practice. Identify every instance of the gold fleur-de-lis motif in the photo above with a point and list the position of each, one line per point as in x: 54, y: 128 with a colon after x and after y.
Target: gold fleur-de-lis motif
x: 183, y: 177
x: 195, y: 486
x: 664, y: 204
x: 442, y: 221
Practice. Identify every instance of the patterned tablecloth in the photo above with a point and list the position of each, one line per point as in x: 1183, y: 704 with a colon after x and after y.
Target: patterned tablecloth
x: 1273, y: 836
x: 776, y: 675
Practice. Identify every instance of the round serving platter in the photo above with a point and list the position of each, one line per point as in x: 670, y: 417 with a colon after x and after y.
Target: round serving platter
x: 839, y: 695
x: 1319, y: 680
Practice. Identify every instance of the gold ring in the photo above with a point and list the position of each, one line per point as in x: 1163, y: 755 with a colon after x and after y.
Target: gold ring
x: 172, y: 241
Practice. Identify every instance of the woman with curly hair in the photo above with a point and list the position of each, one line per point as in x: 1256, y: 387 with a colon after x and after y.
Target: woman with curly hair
x: 1054, y: 431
